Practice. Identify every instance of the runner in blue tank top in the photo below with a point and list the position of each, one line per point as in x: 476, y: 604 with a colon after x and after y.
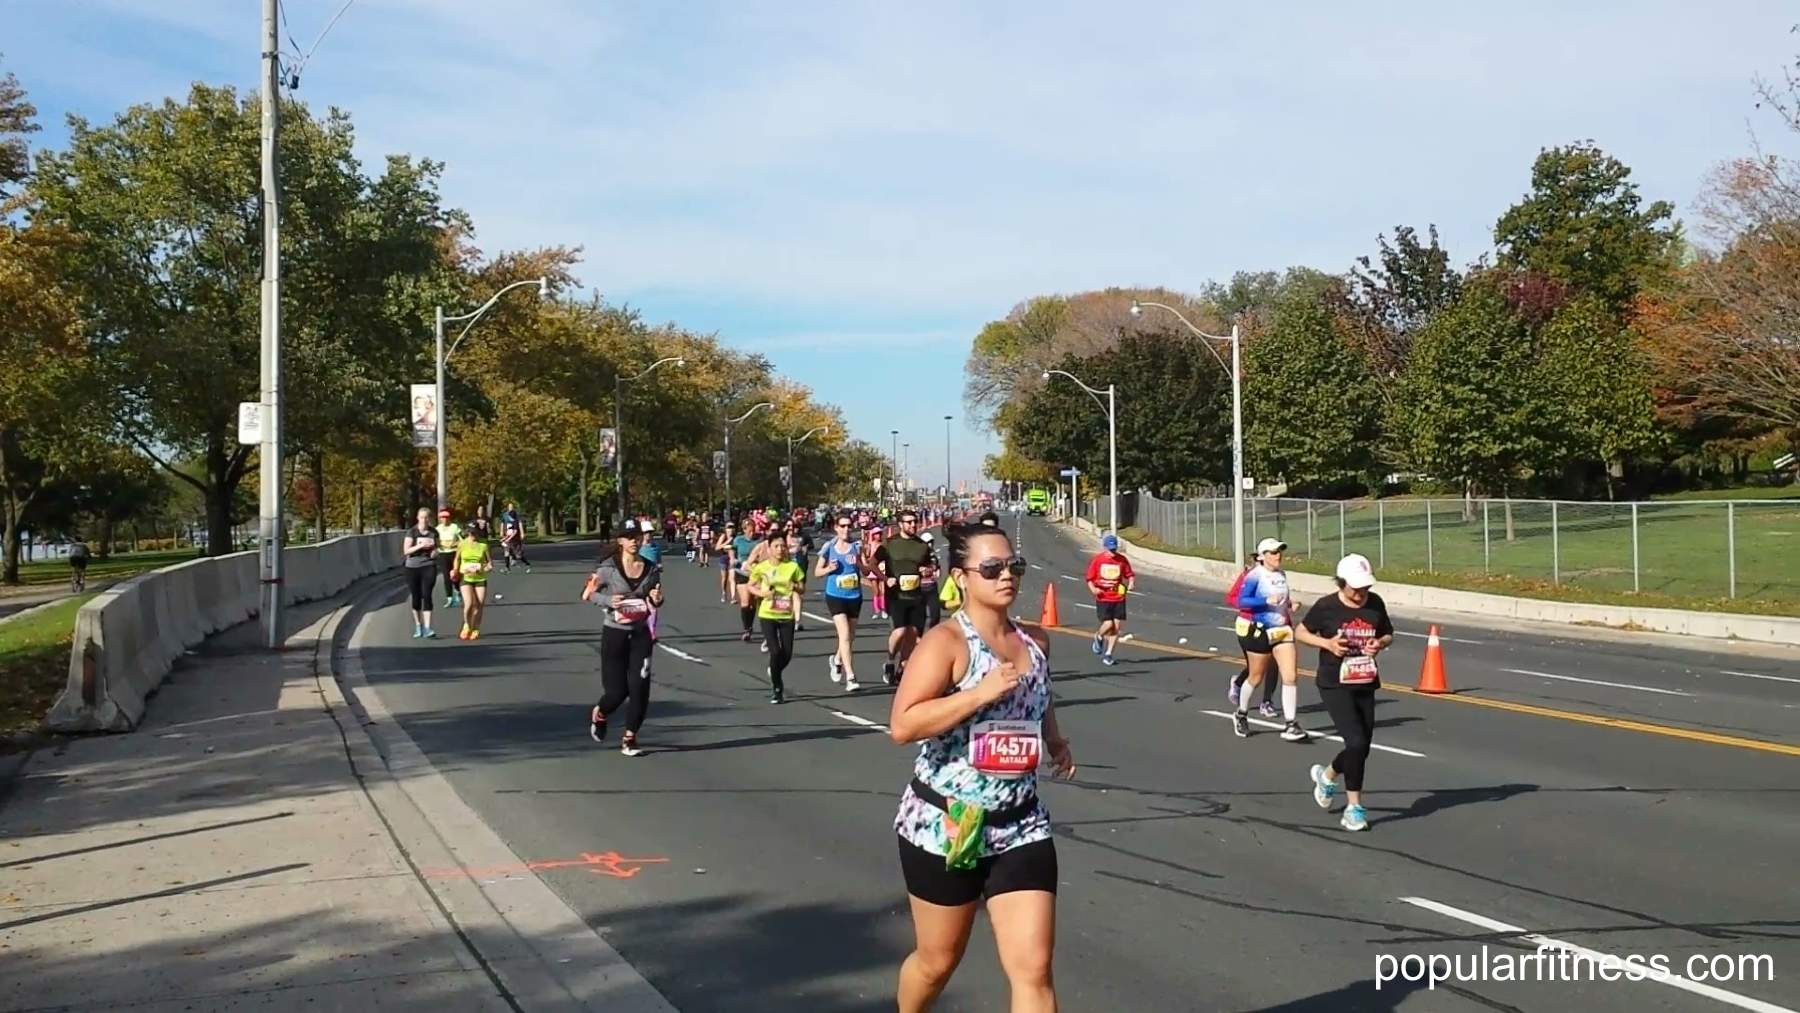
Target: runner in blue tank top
x: 839, y: 565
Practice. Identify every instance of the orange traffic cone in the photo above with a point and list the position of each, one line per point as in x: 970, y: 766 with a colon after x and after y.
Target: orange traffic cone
x: 1431, y: 677
x: 1049, y: 618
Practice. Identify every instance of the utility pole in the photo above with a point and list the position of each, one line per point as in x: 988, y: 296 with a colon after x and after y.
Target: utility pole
x: 271, y: 528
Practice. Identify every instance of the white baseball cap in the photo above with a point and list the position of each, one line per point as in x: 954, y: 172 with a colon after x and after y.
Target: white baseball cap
x: 1270, y: 545
x: 1354, y: 570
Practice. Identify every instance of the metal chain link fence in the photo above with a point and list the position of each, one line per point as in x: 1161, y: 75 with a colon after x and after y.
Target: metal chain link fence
x: 1699, y: 549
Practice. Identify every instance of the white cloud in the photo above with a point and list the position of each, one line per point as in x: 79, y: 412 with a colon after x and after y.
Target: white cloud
x: 951, y: 158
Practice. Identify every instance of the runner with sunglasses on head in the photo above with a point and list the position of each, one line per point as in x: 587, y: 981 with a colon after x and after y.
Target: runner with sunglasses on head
x: 840, y: 567
x: 977, y: 698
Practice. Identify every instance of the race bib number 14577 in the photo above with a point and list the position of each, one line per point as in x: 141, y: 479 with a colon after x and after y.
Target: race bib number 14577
x: 1005, y: 748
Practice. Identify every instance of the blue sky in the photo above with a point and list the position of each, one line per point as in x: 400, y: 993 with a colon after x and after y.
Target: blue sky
x: 859, y: 184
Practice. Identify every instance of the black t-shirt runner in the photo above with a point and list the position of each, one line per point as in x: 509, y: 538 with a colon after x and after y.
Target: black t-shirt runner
x: 1328, y: 617
x: 904, y: 557
x: 481, y: 528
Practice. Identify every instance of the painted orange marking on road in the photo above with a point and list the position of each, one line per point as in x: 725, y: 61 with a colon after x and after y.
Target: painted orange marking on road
x: 1534, y: 710
x: 609, y: 863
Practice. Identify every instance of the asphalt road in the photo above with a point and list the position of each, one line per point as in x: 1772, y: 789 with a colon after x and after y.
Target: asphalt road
x: 755, y: 865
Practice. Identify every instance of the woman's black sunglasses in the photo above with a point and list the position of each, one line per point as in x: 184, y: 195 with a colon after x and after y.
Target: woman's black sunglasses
x: 990, y: 569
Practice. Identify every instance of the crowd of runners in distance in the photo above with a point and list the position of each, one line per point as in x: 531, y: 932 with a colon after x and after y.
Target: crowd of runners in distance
x: 973, y: 689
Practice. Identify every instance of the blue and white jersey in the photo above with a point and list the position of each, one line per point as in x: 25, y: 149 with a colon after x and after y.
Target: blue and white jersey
x: 1263, y: 598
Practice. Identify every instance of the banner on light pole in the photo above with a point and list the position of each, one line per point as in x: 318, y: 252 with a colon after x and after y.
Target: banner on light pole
x: 424, y: 415
x: 787, y: 477
x: 719, y: 465
x: 609, y: 448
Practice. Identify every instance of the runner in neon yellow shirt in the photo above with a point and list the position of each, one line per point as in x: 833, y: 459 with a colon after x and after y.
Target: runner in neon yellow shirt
x: 472, y: 565
x: 776, y: 581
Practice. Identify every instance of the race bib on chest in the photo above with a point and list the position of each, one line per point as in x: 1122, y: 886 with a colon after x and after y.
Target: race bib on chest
x: 1005, y: 748
x: 781, y: 603
x: 1357, y: 670
x: 909, y: 582
x: 630, y: 610
x: 848, y: 582
x: 471, y: 568
x: 1110, y: 571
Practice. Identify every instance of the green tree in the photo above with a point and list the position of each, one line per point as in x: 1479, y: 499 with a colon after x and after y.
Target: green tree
x: 1313, y: 414
x: 1596, y: 383
x: 857, y: 464
x: 18, y: 120
x: 1468, y: 408
x: 1011, y: 466
x: 166, y: 201
x: 1009, y: 352
x: 1173, y: 414
x: 1585, y: 225
x: 48, y: 400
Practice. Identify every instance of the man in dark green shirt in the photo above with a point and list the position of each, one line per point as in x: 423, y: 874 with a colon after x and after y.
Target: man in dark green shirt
x: 899, y: 562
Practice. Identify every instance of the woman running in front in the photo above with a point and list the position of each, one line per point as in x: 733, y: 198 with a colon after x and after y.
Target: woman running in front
x: 473, y: 562
x: 630, y: 590
x: 420, y: 549
x: 777, y: 582
x: 976, y: 695
x: 1349, y: 628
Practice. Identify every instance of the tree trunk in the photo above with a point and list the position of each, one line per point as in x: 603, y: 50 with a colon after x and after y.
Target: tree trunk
x: 103, y: 536
x: 356, y: 507
x: 221, y: 488
x: 582, y: 524
x: 15, y: 509
x: 316, y: 460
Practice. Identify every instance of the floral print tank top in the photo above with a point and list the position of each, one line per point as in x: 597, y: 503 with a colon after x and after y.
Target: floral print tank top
x: 943, y: 761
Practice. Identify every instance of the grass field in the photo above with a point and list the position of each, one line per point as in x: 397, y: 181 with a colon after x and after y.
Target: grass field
x: 1683, y: 555
x: 34, y: 667
x: 116, y: 567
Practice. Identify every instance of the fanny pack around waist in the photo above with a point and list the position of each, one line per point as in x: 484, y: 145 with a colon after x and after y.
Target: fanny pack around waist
x: 993, y: 817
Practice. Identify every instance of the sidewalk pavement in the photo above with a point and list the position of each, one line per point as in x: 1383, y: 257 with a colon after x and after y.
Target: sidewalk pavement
x: 225, y: 855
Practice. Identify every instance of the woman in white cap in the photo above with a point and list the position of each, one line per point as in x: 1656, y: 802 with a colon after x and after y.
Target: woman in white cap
x: 1265, y: 632
x: 1349, y: 628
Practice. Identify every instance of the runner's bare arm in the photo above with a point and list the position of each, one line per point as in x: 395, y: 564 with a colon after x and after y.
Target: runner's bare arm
x: 923, y: 703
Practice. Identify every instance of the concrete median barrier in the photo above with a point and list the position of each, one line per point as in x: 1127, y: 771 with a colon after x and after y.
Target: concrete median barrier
x: 129, y: 636
x: 1715, y: 625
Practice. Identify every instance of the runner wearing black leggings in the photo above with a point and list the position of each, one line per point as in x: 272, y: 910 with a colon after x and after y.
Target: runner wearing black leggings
x: 419, y: 552
x: 776, y: 581
x: 1349, y: 628
x: 630, y: 590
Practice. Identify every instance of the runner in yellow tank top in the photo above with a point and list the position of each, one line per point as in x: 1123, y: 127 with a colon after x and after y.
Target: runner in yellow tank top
x: 472, y: 564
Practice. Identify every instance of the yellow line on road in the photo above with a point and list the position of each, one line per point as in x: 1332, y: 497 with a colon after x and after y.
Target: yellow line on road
x: 1624, y: 724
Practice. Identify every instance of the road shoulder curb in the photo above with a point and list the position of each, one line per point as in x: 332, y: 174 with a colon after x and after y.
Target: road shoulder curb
x: 538, y: 948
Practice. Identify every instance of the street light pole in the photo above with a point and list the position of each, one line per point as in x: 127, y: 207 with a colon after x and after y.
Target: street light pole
x: 792, y: 443
x: 619, y: 383
x: 894, y: 470
x: 947, y: 419
x: 728, y: 424
x: 1112, y: 439
x: 271, y: 524
x: 443, y: 360
x: 1236, y: 369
